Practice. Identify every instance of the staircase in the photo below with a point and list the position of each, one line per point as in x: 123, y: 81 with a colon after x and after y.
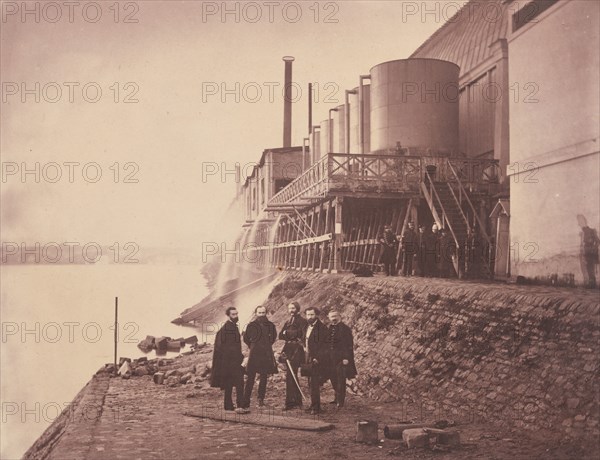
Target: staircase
x: 452, y: 208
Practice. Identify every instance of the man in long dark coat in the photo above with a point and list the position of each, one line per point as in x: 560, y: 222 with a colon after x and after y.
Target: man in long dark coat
x: 340, y: 346
x: 410, y: 243
x: 293, y: 351
x: 447, y: 250
x: 389, y: 247
x: 315, y: 339
x: 227, y: 360
x: 260, y: 335
x: 430, y: 252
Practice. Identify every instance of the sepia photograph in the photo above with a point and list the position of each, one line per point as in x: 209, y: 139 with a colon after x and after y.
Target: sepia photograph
x: 309, y: 229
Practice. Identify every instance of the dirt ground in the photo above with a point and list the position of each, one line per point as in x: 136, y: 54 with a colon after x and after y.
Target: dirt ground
x: 139, y: 419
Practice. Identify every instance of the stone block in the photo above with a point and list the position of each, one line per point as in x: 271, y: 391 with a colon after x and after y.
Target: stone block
x: 396, y: 431
x: 415, y: 437
x: 159, y: 378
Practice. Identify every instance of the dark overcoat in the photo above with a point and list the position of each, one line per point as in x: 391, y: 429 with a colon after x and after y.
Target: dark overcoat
x: 389, y: 247
x: 227, y: 356
x: 317, y: 344
x: 341, y: 346
x: 260, y: 335
x: 293, y: 334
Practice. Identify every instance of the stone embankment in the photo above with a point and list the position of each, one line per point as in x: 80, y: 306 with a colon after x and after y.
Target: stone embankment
x: 516, y: 355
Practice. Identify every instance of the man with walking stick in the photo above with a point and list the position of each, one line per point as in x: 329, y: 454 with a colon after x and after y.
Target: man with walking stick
x: 293, y: 355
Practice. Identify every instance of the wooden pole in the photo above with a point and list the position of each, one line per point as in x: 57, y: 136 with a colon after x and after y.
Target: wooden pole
x: 116, y: 331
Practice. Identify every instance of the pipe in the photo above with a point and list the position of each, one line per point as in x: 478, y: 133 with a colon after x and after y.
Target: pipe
x: 347, y: 117
x: 310, y: 126
x: 361, y: 112
x: 287, y: 102
x: 304, y: 140
x: 330, y: 149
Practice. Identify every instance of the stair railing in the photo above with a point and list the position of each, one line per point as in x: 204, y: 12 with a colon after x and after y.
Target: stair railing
x: 429, y: 197
x: 463, y: 193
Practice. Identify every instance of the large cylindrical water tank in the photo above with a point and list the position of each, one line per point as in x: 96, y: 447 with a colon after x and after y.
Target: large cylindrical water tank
x: 339, y: 129
x: 414, y: 102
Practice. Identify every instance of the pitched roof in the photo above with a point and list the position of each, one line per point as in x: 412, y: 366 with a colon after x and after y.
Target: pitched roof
x: 466, y: 37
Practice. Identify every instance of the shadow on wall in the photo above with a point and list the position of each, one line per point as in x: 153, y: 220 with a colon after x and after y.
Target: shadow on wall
x: 588, y: 254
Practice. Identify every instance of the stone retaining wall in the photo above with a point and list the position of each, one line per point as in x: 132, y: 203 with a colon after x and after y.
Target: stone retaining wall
x: 518, y: 355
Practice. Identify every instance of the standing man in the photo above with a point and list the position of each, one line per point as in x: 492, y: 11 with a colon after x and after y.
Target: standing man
x: 589, y: 251
x: 260, y: 335
x: 409, y: 249
x: 389, y: 245
x: 431, y: 252
x: 340, y: 346
x: 447, y: 251
x: 227, y: 361
x: 293, y: 351
x: 421, y: 250
x: 316, y: 356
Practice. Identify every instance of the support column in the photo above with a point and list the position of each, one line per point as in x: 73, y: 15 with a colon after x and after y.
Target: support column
x: 338, y: 237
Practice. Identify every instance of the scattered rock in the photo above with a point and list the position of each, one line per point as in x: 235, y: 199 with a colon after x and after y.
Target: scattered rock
x: 140, y: 371
x: 161, y: 344
x: 185, y: 378
x: 173, y: 345
x: 125, y: 368
x: 193, y: 340
x: 147, y: 344
x: 172, y: 381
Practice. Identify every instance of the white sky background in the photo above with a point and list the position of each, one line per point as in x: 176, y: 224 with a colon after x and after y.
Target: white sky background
x: 170, y: 132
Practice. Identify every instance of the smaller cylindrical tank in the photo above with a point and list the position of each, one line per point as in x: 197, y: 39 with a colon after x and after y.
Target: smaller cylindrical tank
x: 324, y: 138
x: 355, y: 125
x: 339, y: 129
x: 315, y: 145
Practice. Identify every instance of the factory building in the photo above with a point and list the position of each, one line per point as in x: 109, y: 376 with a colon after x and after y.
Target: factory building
x: 488, y: 130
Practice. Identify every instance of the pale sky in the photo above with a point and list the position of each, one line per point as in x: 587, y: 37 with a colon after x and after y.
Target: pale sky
x: 166, y: 59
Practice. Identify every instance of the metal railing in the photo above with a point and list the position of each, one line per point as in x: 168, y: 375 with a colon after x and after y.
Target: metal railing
x: 395, y: 173
x: 312, y: 182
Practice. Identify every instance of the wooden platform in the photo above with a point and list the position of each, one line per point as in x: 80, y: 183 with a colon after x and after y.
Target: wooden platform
x: 296, y: 420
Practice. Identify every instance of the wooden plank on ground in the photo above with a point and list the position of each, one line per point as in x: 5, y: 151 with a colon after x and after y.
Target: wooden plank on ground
x: 303, y: 422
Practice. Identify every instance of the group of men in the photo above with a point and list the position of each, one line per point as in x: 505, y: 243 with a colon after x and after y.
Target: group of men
x: 423, y: 253
x: 322, y: 352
